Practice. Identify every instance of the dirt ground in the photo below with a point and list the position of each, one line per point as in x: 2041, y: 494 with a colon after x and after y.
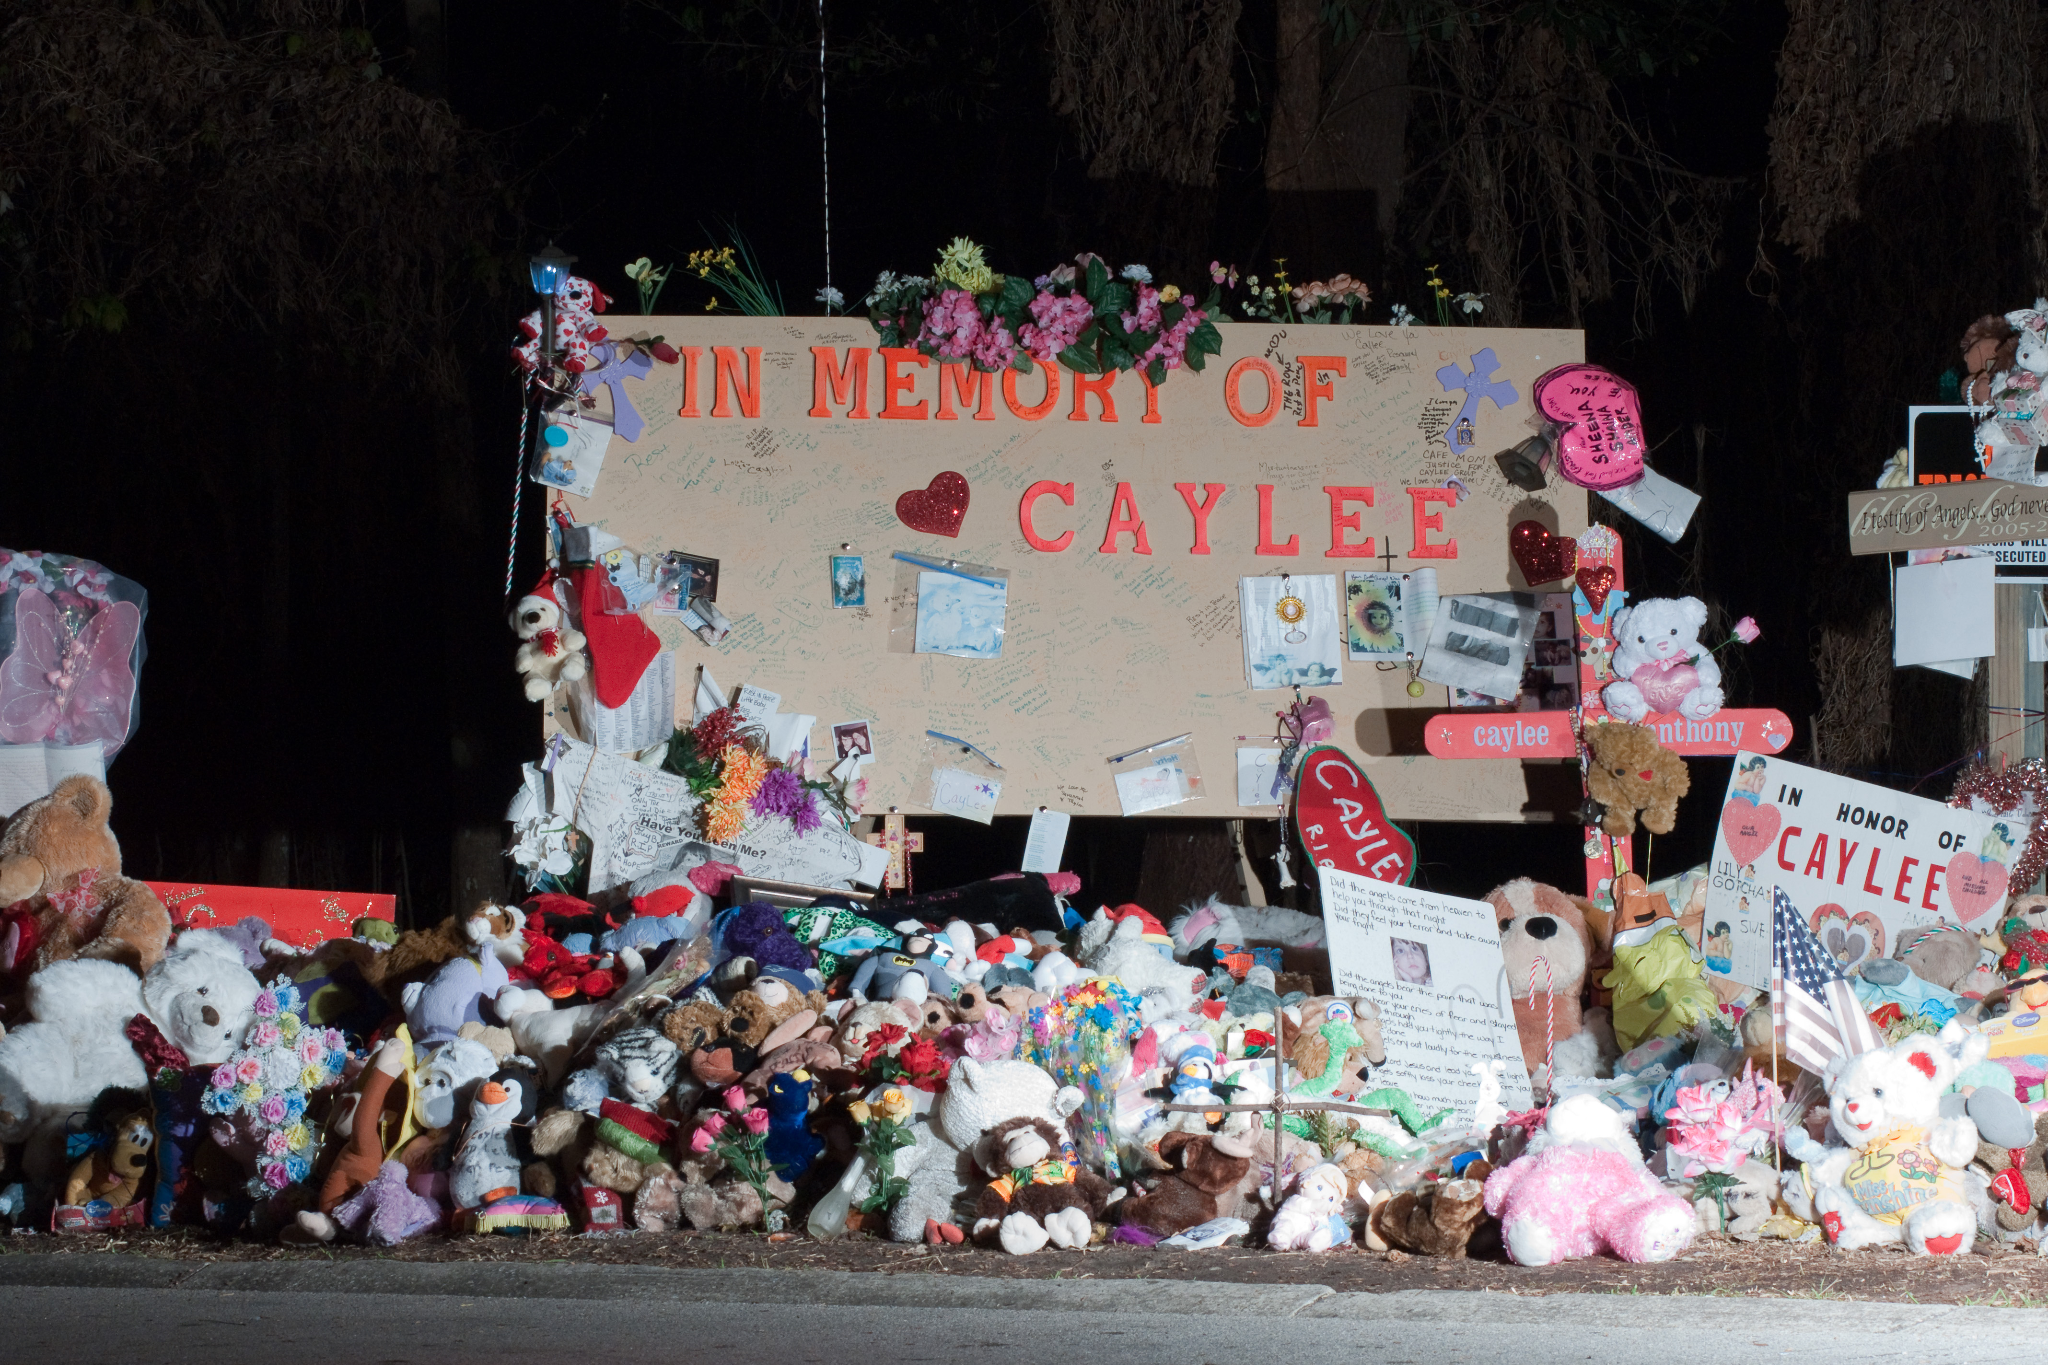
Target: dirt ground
x: 1713, y: 1265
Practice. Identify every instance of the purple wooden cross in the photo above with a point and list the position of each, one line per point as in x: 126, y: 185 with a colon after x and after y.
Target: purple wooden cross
x: 1476, y: 385
x: 611, y: 371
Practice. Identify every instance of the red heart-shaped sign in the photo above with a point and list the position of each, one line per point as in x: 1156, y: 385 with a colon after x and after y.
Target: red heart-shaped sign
x: 1342, y: 823
x: 1596, y: 584
x: 938, y: 508
x: 1541, y: 556
x: 1748, y: 829
x: 1974, y: 885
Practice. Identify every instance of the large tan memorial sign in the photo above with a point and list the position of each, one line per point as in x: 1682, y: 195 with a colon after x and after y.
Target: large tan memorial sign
x: 1120, y: 520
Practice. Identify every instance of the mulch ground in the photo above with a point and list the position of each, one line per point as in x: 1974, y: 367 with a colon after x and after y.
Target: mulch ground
x: 1713, y: 1265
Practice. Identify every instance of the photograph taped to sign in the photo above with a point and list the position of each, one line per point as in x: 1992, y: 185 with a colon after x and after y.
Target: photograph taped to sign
x: 1342, y: 822
x: 1157, y: 776
x: 1874, y: 863
x: 943, y: 605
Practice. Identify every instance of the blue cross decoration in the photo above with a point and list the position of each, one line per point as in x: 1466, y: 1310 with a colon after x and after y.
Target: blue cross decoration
x: 1476, y: 385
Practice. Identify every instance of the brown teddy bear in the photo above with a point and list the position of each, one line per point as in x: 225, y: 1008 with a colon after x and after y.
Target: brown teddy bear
x: 1627, y: 771
x: 1037, y: 1191
x: 1539, y: 921
x: 1208, y: 1168
x: 1433, y: 1219
x: 58, y: 855
x: 770, y: 1012
x: 694, y: 1024
x: 420, y: 952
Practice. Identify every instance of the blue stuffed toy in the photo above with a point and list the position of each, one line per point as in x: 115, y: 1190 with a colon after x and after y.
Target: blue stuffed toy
x: 791, y: 1147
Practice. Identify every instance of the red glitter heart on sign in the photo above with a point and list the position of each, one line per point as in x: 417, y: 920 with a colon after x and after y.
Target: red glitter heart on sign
x: 1596, y: 584
x: 1542, y: 557
x: 936, y: 509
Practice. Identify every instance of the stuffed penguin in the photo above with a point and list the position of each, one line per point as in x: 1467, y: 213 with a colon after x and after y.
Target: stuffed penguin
x: 488, y: 1161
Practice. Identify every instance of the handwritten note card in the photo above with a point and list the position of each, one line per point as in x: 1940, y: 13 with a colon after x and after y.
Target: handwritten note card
x: 1433, y: 965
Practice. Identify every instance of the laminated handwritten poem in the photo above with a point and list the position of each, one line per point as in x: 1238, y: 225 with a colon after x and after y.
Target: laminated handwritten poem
x: 1938, y: 515
x: 1124, y: 517
x: 1433, y: 965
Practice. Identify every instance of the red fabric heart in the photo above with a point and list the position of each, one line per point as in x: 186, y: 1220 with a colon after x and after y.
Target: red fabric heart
x: 1541, y: 556
x: 1596, y: 584
x: 938, y: 508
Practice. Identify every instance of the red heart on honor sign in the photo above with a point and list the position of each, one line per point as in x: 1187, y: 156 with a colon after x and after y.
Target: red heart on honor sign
x: 1596, y: 584
x: 937, y: 509
x: 1541, y: 556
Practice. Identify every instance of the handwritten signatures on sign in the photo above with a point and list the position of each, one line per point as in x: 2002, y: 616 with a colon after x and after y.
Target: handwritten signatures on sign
x: 1929, y: 517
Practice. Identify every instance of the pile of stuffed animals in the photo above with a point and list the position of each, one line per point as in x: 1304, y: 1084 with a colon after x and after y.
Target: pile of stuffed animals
x: 979, y: 1066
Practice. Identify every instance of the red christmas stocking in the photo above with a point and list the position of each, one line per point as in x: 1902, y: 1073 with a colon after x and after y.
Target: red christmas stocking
x: 621, y: 647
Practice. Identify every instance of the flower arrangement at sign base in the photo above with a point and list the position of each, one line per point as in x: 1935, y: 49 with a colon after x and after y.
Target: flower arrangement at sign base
x: 738, y: 1136
x: 1078, y: 315
x: 261, y: 1091
x: 724, y: 760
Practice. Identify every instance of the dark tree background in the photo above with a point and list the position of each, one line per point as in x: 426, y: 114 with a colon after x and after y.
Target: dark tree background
x: 260, y: 261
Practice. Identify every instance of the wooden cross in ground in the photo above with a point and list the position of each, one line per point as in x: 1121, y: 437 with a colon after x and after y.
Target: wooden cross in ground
x: 900, y: 843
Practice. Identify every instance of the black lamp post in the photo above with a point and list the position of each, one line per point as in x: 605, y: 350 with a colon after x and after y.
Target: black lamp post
x: 550, y: 269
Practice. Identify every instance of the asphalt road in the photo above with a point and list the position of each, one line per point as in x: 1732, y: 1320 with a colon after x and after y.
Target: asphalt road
x: 136, y: 1312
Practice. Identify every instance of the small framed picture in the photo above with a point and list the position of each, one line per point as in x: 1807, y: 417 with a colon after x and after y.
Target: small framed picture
x: 706, y: 621
x: 849, y: 581
x: 853, y: 739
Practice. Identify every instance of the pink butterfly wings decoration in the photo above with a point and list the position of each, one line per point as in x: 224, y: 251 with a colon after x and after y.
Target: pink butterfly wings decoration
x: 73, y: 691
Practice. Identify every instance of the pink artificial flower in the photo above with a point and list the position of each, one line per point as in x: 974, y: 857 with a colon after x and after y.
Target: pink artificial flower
x: 952, y: 325
x: 275, y: 1145
x: 1057, y: 322
x: 276, y: 1176
x: 249, y: 1070
x: 734, y: 1099
x: 272, y: 1112
x: 700, y: 1141
x: 997, y: 349
x: 223, y: 1077
x: 1146, y: 319
x: 1746, y: 629
x: 266, y: 1003
x: 756, y: 1121
x: 714, y: 1123
x: 312, y: 1050
x: 264, y: 1035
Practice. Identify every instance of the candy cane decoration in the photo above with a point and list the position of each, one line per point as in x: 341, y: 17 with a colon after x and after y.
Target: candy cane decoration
x: 1549, y: 1023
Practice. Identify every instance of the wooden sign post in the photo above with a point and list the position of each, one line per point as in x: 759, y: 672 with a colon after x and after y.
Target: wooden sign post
x: 1554, y: 734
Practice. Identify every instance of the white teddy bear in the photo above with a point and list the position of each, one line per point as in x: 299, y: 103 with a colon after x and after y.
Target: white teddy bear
x: 940, y: 1166
x: 1901, y: 1177
x: 75, y: 1045
x: 1163, y: 986
x: 1659, y: 664
x: 551, y: 652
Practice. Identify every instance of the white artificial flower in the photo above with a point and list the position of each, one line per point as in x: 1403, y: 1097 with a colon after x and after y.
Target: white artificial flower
x: 1136, y: 274
x: 831, y: 297
x: 1402, y: 317
x: 1472, y: 303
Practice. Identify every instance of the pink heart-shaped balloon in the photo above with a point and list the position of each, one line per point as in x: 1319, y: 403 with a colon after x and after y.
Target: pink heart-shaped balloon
x: 1599, y: 424
x: 1749, y: 829
x: 1974, y: 885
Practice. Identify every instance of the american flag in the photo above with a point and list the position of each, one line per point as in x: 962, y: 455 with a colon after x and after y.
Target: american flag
x: 1813, y: 1009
